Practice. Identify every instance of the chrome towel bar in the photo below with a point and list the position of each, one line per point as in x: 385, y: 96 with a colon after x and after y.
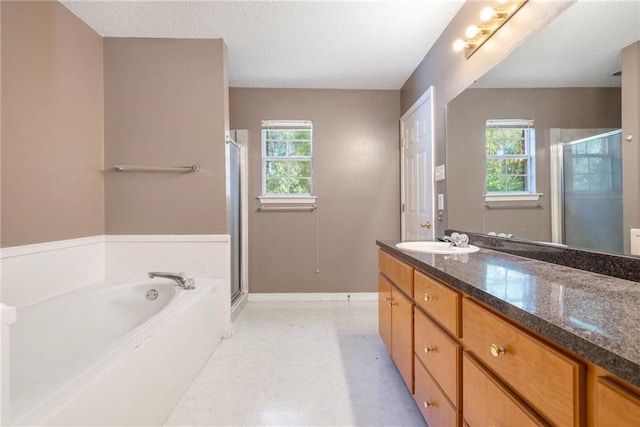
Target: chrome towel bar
x: 514, y: 206
x: 142, y: 168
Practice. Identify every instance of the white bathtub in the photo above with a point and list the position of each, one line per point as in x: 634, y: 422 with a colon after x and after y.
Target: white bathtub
x: 107, y: 355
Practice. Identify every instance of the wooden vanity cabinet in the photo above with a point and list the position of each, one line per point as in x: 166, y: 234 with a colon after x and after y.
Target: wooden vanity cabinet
x: 550, y: 380
x: 384, y: 310
x: 615, y: 404
x: 440, y: 301
x: 487, y: 402
x: 402, y: 335
x: 395, y: 311
x: 440, y: 355
x: 473, y: 366
x: 434, y: 406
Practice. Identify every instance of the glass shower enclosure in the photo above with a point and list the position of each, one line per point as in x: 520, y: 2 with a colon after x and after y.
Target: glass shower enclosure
x: 591, y: 187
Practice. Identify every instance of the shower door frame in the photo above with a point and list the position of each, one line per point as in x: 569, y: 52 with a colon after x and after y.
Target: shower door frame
x: 239, y: 138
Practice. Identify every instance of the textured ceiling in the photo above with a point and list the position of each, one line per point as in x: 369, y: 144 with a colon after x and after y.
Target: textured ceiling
x: 580, y: 48
x: 305, y: 44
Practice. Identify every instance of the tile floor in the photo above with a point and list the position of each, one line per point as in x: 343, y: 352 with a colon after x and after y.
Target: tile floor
x: 300, y: 364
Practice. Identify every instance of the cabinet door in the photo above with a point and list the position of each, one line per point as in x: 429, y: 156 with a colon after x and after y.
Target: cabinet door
x: 402, y: 335
x: 616, y: 406
x: 487, y: 402
x: 384, y: 311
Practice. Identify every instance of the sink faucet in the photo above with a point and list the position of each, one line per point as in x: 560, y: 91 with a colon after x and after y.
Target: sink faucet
x: 458, y: 240
x: 180, y: 278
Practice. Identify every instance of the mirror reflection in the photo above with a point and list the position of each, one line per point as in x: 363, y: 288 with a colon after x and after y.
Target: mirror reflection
x: 536, y: 147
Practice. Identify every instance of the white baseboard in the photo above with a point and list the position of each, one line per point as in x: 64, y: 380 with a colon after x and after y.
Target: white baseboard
x: 321, y: 296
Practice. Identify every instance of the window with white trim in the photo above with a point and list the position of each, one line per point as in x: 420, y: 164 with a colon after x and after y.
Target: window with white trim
x: 510, y: 154
x: 287, y: 158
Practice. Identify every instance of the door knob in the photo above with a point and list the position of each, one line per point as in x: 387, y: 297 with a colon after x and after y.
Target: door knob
x: 426, y: 224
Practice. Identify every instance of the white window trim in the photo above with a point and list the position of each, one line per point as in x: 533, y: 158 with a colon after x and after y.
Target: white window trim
x: 287, y: 198
x: 512, y: 197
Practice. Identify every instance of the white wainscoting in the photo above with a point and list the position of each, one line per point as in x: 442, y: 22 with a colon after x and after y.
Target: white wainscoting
x: 132, y: 257
x: 199, y: 255
x: 31, y: 273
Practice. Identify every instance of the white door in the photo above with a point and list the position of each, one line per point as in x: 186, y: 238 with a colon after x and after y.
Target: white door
x: 417, y: 170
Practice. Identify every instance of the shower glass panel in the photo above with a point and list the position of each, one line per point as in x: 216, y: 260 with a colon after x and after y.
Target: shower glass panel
x: 236, y: 231
x: 592, y: 181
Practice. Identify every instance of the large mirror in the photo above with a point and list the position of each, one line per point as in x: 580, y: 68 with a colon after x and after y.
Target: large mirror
x: 546, y: 123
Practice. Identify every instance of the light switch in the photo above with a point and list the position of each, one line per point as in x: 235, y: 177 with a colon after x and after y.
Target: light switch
x: 439, y: 173
x: 440, y: 202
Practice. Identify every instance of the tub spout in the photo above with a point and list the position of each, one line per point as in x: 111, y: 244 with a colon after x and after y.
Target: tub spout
x: 180, y: 278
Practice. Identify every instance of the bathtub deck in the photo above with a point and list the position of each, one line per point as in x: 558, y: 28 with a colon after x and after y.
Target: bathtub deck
x: 300, y: 364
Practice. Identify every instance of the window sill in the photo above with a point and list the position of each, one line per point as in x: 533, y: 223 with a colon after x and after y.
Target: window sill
x: 512, y: 197
x: 287, y: 200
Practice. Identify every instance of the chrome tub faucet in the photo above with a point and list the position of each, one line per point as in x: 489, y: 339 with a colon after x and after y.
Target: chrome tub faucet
x: 180, y: 278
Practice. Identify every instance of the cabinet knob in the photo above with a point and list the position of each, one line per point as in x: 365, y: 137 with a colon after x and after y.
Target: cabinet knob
x: 428, y: 349
x: 392, y: 303
x: 387, y: 298
x: 497, y: 350
x: 428, y: 404
x: 428, y: 297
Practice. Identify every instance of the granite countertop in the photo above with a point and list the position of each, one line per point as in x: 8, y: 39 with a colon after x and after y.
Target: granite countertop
x: 592, y: 315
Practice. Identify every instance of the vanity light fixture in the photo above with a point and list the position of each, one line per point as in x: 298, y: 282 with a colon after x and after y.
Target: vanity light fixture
x: 492, y: 18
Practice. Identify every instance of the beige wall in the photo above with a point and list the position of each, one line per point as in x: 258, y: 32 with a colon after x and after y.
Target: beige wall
x: 450, y: 73
x: 356, y: 172
x: 467, y: 114
x: 165, y: 105
x: 52, y: 133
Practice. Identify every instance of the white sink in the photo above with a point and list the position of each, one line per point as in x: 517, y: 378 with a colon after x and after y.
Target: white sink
x: 435, y: 248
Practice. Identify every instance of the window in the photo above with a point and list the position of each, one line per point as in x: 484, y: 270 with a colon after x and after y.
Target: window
x: 287, y: 161
x: 510, y: 151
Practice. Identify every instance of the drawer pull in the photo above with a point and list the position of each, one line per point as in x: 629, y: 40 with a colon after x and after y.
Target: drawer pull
x: 428, y: 349
x: 428, y: 404
x: 497, y: 350
x: 387, y: 298
x: 428, y: 297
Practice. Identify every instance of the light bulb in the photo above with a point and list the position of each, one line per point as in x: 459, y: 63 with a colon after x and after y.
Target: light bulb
x: 487, y: 13
x: 471, y: 31
x: 458, y: 45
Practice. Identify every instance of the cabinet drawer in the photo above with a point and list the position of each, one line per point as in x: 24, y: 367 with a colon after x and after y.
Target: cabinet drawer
x: 616, y: 406
x: 440, y: 354
x: 440, y: 301
x: 397, y: 271
x: 551, y: 381
x: 487, y: 402
x: 435, y: 408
